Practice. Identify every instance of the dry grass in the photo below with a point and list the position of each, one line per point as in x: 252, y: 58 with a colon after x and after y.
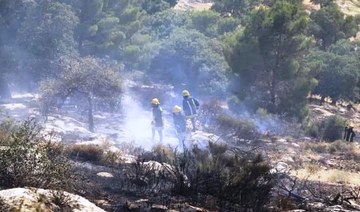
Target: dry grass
x: 328, y: 176
x: 163, y: 153
x: 322, y: 151
x: 310, y: 6
x: 333, y: 147
x: 349, y: 7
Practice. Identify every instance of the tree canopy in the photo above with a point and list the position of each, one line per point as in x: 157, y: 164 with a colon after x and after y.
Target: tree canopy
x: 268, y: 54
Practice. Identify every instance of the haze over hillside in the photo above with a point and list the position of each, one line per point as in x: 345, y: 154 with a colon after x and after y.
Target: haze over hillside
x: 223, y: 105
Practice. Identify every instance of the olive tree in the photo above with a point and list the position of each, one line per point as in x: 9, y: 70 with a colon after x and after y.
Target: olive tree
x: 92, y: 77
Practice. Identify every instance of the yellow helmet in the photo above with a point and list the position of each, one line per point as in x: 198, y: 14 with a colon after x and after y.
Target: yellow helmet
x: 155, y: 101
x: 351, y: 125
x: 185, y: 93
x: 177, y: 109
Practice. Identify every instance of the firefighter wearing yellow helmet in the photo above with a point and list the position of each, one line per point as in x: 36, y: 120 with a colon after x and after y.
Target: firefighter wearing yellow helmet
x: 190, y: 107
x: 157, y: 122
x: 179, y: 123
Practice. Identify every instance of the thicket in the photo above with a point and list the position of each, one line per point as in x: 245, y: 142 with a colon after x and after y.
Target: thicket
x: 329, y: 129
x: 216, y: 177
x: 27, y: 159
x: 230, y: 127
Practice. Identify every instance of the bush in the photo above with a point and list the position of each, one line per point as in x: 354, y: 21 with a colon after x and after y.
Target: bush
x: 233, y: 178
x: 63, y: 201
x: 86, y: 152
x: 94, y: 153
x: 329, y: 129
x: 26, y: 159
x: 237, y: 128
x: 163, y: 153
x: 209, y: 112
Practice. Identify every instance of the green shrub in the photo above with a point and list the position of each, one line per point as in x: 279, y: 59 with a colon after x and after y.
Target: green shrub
x: 209, y: 112
x: 237, y: 128
x: 329, y: 129
x: 26, y: 159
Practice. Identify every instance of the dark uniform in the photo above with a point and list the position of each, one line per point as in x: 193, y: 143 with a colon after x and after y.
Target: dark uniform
x: 190, y: 107
x: 349, y: 133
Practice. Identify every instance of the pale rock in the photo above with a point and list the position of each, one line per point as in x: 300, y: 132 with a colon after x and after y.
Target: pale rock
x: 330, y: 163
x: 306, y: 138
x: 127, y: 159
x: 158, y: 208
x: 105, y: 174
x: 287, y: 159
x: 201, y: 140
x: 316, y: 206
x: 342, y: 110
x: 29, y: 200
x: 190, y: 208
x: 138, y: 205
x: 281, y: 140
x: 295, y: 145
x: 280, y: 167
x: 157, y: 167
x: 335, y: 208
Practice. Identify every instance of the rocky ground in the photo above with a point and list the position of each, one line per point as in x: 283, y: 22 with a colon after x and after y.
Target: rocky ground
x: 333, y: 165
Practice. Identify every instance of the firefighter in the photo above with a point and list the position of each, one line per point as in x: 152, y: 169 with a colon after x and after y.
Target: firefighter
x: 179, y: 123
x: 349, y: 133
x: 190, y: 107
x: 157, y: 122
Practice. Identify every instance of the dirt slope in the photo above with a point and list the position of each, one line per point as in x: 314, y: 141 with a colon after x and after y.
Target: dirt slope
x: 193, y: 5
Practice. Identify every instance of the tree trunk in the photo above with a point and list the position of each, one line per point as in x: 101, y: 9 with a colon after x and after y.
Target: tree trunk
x: 4, y: 89
x: 272, y: 93
x: 90, y: 114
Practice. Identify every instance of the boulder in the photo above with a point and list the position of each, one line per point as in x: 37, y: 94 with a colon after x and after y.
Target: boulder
x: 201, y: 140
x: 33, y: 199
x: 280, y: 167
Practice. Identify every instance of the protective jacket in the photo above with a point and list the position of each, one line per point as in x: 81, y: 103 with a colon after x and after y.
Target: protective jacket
x: 179, y: 122
x: 190, y: 105
x: 157, y: 116
x: 349, y: 134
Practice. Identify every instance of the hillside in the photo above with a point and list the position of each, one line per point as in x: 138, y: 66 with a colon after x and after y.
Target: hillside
x: 149, y: 106
x: 307, y: 162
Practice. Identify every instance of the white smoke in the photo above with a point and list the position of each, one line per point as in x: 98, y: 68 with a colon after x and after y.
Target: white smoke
x: 137, y: 124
